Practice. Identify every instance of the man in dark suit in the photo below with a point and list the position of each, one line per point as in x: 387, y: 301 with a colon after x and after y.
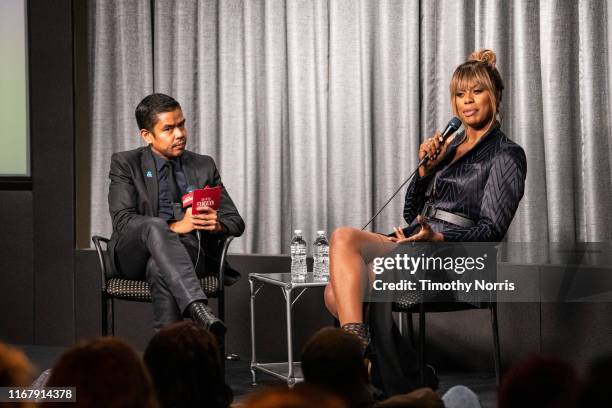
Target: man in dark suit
x: 152, y: 236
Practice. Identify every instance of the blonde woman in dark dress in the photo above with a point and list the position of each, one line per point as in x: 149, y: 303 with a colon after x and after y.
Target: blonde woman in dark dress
x: 477, y: 177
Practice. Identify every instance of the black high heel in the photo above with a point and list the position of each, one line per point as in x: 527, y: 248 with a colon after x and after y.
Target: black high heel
x: 361, y: 330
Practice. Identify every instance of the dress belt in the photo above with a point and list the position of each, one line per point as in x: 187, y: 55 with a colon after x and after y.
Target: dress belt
x: 429, y: 211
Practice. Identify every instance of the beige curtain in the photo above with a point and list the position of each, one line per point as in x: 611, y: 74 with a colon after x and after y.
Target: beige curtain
x: 314, y: 110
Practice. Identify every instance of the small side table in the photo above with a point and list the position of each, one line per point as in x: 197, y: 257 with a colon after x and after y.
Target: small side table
x: 289, y: 371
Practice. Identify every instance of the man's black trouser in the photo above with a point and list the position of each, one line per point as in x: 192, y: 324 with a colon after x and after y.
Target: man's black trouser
x: 150, y: 250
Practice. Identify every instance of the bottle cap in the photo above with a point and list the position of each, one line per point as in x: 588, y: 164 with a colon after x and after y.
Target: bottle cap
x: 320, y: 232
x: 297, y: 232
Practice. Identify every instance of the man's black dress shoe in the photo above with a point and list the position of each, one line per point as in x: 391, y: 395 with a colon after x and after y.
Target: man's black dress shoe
x: 202, y: 315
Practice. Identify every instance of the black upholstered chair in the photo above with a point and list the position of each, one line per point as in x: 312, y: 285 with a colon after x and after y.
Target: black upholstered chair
x: 408, y: 306
x: 139, y: 291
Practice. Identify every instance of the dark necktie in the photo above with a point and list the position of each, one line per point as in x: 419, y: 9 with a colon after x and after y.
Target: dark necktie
x: 174, y: 198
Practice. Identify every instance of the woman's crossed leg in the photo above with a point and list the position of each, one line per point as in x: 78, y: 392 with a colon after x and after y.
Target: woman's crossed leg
x: 351, y: 254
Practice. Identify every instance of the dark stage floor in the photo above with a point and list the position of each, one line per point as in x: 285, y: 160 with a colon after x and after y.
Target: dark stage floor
x: 239, y: 376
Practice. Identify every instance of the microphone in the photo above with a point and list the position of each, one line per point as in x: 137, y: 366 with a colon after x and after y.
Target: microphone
x: 453, y: 125
x: 451, y: 128
x: 187, y: 199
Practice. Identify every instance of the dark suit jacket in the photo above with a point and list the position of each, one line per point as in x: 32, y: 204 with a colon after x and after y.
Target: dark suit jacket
x: 133, y: 192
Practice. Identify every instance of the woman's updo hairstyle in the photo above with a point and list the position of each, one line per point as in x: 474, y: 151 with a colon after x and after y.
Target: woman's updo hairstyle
x: 479, y: 69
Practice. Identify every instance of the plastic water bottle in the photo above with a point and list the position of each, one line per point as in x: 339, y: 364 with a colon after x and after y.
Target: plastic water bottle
x: 321, y: 256
x: 298, y: 256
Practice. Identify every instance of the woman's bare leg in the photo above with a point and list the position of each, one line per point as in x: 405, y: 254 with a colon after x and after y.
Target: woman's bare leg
x: 350, y: 251
x: 330, y: 300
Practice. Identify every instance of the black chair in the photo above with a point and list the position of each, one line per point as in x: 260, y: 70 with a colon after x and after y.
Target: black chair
x: 139, y: 291
x: 408, y: 306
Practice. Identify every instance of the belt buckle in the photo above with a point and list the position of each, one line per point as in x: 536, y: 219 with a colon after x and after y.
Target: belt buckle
x: 429, y: 211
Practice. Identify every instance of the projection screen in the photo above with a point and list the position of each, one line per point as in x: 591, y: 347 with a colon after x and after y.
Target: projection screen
x: 14, y: 133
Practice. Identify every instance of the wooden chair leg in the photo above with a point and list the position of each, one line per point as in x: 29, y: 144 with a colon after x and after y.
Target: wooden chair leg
x: 222, y: 356
x: 410, y: 327
x: 497, y: 351
x: 221, y: 310
x: 104, y: 314
x: 111, y: 316
x: 422, y: 342
x: 400, y: 323
x: 221, y: 305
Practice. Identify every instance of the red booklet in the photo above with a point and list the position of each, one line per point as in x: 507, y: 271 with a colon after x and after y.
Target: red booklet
x: 203, y: 197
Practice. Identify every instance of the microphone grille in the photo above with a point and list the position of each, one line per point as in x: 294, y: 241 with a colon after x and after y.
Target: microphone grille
x: 455, y: 123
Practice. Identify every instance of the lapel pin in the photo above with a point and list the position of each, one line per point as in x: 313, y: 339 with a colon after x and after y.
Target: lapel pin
x: 149, y: 173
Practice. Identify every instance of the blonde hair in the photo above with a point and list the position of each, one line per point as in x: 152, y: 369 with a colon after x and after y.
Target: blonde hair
x: 479, y: 69
x: 15, y: 371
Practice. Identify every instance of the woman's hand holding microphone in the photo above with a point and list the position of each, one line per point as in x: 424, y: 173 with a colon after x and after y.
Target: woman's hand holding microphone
x: 435, y: 148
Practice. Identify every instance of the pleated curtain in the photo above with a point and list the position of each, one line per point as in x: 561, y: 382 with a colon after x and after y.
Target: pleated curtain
x: 314, y: 110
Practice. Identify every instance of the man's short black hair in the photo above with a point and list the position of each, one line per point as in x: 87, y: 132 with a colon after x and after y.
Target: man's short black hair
x: 150, y: 106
